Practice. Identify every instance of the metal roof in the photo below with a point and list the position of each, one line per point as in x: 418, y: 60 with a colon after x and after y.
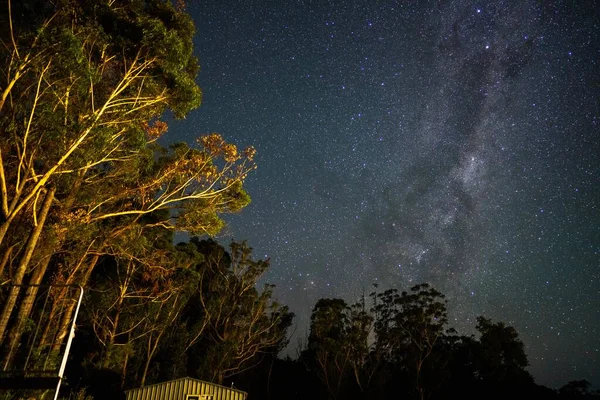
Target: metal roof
x: 179, y: 389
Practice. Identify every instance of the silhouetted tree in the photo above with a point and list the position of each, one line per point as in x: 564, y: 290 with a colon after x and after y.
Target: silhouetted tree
x: 230, y: 322
x: 410, y: 327
x: 501, y: 354
x: 579, y: 389
x: 328, y: 354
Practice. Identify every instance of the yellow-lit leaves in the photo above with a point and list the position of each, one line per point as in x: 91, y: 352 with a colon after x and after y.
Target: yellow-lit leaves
x: 230, y: 152
x: 249, y: 153
x: 156, y: 130
x: 193, y: 185
x: 212, y: 143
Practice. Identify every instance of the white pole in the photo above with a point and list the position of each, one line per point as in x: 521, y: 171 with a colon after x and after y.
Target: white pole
x: 68, y: 347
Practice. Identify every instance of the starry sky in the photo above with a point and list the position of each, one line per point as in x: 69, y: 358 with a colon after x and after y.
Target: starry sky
x: 449, y: 142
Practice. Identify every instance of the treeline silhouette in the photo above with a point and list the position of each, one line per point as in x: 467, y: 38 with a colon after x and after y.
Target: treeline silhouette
x: 202, y: 316
x: 401, y: 347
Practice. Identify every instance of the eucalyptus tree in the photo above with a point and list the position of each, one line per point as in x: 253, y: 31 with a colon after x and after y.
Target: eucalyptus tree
x: 500, y: 358
x: 85, y: 84
x: 136, y: 294
x: 328, y: 354
x: 229, y: 321
x: 410, y: 327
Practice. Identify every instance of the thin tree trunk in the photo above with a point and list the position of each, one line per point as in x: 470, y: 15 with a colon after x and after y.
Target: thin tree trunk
x: 10, y: 211
x: 124, y: 369
x: 419, y: 387
x: 152, y: 347
x: 67, y: 316
x: 63, y: 327
x: 112, y: 335
x: 5, y: 259
x: 37, y: 277
x: 5, y: 225
x: 26, y: 306
x: 269, y: 377
x: 23, y: 264
x: 150, y: 353
x: 114, y: 331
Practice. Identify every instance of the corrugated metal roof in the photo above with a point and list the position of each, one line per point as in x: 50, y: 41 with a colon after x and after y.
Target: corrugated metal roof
x: 178, y: 389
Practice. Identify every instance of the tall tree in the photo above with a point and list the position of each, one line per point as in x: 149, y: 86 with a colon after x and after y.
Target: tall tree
x: 328, y: 353
x: 78, y: 90
x: 364, y: 359
x: 409, y: 328
x: 137, y: 294
x: 500, y: 356
x: 230, y: 321
x: 84, y: 85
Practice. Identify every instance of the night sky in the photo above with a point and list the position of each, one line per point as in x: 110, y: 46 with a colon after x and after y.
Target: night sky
x: 449, y: 142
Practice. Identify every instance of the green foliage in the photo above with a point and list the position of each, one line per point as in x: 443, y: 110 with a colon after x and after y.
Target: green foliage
x: 409, y: 324
x: 85, y: 84
x: 339, y: 349
x: 199, y: 217
x: 501, y: 344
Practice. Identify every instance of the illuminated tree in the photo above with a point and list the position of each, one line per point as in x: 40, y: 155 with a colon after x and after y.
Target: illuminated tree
x: 85, y: 83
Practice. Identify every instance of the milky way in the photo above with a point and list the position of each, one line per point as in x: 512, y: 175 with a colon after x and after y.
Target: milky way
x: 450, y: 142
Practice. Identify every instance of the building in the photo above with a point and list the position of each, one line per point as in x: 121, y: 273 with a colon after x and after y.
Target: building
x: 185, y: 389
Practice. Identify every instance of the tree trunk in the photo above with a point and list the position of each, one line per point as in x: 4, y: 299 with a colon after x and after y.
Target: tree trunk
x: 25, y: 307
x: 420, y: 388
x: 62, y: 329
x: 22, y: 267
x: 11, y: 211
x: 37, y: 277
x: 4, y: 226
x: 152, y: 347
x: 269, y: 377
x: 124, y: 369
x: 5, y: 259
x: 149, y: 355
x: 114, y: 331
x: 112, y: 335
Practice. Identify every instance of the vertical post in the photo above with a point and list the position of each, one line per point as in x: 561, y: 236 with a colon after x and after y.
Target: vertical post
x: 63, y: 364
